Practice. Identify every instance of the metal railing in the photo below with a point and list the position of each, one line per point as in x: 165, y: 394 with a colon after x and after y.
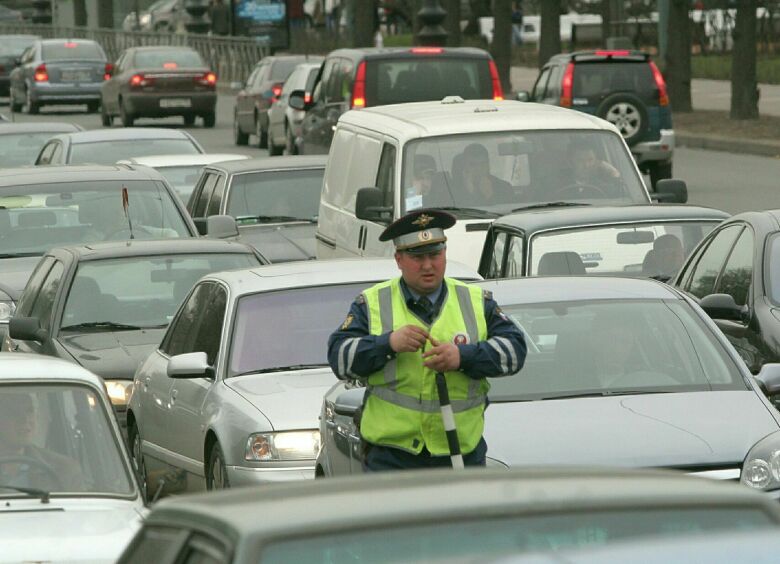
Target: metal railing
x: 231, y: 58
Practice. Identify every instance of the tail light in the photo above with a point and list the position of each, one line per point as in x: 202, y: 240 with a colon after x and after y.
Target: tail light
x: 663, y: 97
x: 618, y: 53
x: 498, y: 92
x: 41, y: 75
x: 276, y: 91
x: 307, y: 98
x: 208, y: 79
x: 359, y: 90
x: 139, y: 80
x: 108, y: 71
x: 567, y: 85
x: 426, y: 50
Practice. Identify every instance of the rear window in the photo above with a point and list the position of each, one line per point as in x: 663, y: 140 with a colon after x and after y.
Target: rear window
x: 167, y: 59
x: 280, y: 70
x: 109, y: 153
x: 426, y: 78
x: 592, y: 80
x: 71, y: 50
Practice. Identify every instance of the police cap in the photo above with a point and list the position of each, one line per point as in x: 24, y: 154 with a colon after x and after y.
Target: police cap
x: 420, y: 231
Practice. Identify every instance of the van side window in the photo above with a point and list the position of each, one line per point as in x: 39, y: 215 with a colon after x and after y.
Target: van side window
x: 386, y: 175
x: 334, y: 188
x: 363, y: 170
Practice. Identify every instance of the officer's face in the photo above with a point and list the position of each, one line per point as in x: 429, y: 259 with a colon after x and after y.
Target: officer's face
x: 423, y: 273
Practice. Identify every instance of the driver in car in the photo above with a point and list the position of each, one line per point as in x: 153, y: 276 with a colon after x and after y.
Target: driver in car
x: 589, y: 171
x: 22, y: 463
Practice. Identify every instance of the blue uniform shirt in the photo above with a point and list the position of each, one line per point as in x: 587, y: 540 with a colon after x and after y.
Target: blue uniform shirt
x: 502, y: 354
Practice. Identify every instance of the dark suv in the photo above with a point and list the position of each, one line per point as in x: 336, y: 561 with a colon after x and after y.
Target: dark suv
x: 359, y: 78
x: 622, y: 87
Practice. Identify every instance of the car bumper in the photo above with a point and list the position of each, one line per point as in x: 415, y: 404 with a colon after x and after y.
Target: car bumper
x: 660, y: 150
x: 65, y: 93
x: 150, y: 104
x: 244, y: 476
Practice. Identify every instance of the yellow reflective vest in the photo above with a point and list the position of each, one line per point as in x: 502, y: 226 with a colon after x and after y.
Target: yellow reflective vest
x: 402, y: 408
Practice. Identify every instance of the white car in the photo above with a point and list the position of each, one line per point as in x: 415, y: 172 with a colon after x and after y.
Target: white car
x: 182, y: 171
x: 68, y: 492
x: 233, y: 394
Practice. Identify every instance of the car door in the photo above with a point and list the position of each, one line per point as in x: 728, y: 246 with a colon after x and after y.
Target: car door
x: 43, y: 308
x: 244, y: 113
x: 110, y: 87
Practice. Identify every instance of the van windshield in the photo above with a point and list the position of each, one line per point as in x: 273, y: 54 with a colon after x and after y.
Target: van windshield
x: 501, y: 171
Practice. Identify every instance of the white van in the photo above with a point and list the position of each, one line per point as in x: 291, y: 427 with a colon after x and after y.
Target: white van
x: 477, y: 159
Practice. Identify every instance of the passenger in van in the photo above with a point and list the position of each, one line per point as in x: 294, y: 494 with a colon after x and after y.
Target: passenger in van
x: 418, y: 195
x: 473, y: 184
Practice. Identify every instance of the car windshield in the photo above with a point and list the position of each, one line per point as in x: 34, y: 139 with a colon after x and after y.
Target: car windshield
x: 58, y: 439
x: 259, y: 197
x: 14, y: 46
x: 37, y: 217
x: 182, y: 178
x: 110, y: 152
x: 499, y: 172
x: 655, y: 250
x: 302, y: 318
x: 139, y: 291
x: 613, y: 346
x: 19, y: 149
x: 283, y: 68
x: 167, y: 59
x: 487, y: 539
x: 71, y: 50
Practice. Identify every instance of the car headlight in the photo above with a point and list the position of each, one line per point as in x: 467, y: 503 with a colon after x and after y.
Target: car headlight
x: 7, y: 309
x: 287, y: 445
x: 119, y: 391
x: 761, y: 469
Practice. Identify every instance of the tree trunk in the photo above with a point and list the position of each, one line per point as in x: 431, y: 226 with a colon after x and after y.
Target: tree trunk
x: 106, y: 14
x: 606, y: 21
x: 363, y: 34
x: 744, y: 87
x: 452, y: 22
x: 550, y: 33
x: 80, y: 13
x: 677, y: 66
x: 501, y: 47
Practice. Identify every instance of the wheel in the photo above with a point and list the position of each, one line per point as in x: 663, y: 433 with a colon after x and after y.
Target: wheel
x: 659, y: 171
x: 239, y: 136
x: 137, y: 457
x: 262, y: 135
x: 289, y: 141
x: 274, y: 150
x: 626, y: 112
x: 209, y: 120
x: 30, y: 107
x: 93, y: 107
x: 216, y: 471
x: 127, y: 118
x: 189, y: 120
x: 106, y: 119
x: 579, y: 191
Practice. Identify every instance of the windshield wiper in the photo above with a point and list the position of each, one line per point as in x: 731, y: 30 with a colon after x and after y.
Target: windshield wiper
x: 32, y: 492
x: 281, y: 369
x: 272, y: 218
x: 549, y: 205
x: 19, y: 255
x: 468, y: 211
x: 101, y: 325
x: 605, y: 393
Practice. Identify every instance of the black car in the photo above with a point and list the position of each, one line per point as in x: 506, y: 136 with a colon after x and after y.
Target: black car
x: 106, y: 306
x: 361, y: 78
x: 20, y: 143
x: 734, y: 275
x: 275, y: 202
x: 11, y: 49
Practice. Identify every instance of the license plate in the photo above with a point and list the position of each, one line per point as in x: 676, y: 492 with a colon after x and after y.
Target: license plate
x: 76, y: 76
x: 175, y: 102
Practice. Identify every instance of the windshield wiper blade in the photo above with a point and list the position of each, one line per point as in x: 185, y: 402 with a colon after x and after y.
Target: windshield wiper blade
x: 19, y: 255
x: 549, y: 205
x: 281, y: 369
x: 271, y: 218
x: 605, y: 393
x: 32, y: 492
x: 101, y: 325
x: 468, y: 211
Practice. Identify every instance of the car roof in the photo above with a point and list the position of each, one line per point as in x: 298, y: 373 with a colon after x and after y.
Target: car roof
x: 272, y: 163
x: 20, y: 36
x: 51, y: 174
x: 136, y: 248
x: 302, y: 274
x: 547, y: 289
x: 450, y: 117
x: 124, y: 134
x: 760, y: 217
x: 436, y: 495
x: 53, y: 127
x: 162, y: 161
x: 539, y: 219
x: 18, y: 366
x: 57, y: 40
x: 288, y: 57
x: 410, y: 52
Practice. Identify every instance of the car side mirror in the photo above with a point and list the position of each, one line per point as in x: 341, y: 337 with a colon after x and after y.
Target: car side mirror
x: 190, y: 365
x: 221, y: 226
x: 297, y: 100
x: 671, y: 190
x: 27, y: 329
x: 722, y: 306
x: 523, y: 96
x: 769, y: 379
x: 349, y: 401
x: 369, y: 205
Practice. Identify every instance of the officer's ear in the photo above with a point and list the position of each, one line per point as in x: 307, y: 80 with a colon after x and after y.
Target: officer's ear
x: 397, y: 256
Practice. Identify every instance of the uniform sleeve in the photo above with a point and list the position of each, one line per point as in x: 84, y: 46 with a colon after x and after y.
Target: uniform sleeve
x: 352, y: 351
x: 502, y: 354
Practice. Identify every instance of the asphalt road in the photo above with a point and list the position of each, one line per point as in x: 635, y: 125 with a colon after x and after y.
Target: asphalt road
x: 730, y: 182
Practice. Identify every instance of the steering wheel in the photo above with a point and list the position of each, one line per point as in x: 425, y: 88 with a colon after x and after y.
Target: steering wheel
x: 126, y: 230
x: 576, y: 191
x: 39, y: 465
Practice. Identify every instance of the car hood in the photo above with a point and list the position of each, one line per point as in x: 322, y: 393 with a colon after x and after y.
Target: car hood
x: 659, y: 430
x: 112, y: 355
x: 289, y: 400
x: 281, y: 243
x: 72, y: 530
x: 16, y: 273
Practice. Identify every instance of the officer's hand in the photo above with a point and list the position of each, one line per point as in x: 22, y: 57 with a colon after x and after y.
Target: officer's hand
x: 408, y: 338
x: 443, y: 357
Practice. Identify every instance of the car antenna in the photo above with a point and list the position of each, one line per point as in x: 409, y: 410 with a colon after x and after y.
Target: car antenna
x: 125, y: 206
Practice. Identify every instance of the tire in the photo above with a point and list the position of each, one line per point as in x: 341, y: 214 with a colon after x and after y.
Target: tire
x: 262, y: 135
x: 628, y: 113
x: 105, y: 118
x: 239, y: 137
x: 216, y: 471
x: 274, y: 150
x: 30, y: 107
x: 136, y: 456
x: 659, y: 171
x: 209, y: 120
x: 126, y: 117
x: 189, y: 120
x: 289, y: 141
x: 93, y: 107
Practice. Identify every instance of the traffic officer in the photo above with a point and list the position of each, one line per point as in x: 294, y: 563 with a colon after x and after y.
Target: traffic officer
x: 400, y: 333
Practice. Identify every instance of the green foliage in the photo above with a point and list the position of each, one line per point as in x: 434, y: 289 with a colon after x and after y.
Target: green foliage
x: 718, y: 67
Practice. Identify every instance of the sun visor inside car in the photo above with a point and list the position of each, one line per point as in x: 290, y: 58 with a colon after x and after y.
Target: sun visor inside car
x: 635, y: 237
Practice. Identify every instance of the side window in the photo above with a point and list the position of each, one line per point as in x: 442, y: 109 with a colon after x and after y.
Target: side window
x: 205, y: 195
x: 711, y: 261
x: 156, y: 544
x: 251, y: 79
x: 181, y: 335
x: 385, y: 178
x: 209, y: 332
x: 260, y: 76
x: 120, y: 63
x: 201, y: 549
x: 323, y: 85
x: 514, y: 258
x: 496, y: 260
x: 28, y: 55
x: 738, y: 273
x: 56, y: 156
x: 553, y: 91
x: 334, y: 91
x: 216, y: 200
x: 44, y: 303
x: 537, y: 94
x: 33, y: 287
x: 45, y: 156
x: 346, y: 80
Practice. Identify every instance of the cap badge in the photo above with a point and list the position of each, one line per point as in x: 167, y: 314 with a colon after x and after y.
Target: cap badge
x: 423, y: 220
x: 424, y: 235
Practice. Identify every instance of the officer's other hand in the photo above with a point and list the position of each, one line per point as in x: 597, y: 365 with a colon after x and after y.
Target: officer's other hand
x: 443, y: 357
x: 408, y: 338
